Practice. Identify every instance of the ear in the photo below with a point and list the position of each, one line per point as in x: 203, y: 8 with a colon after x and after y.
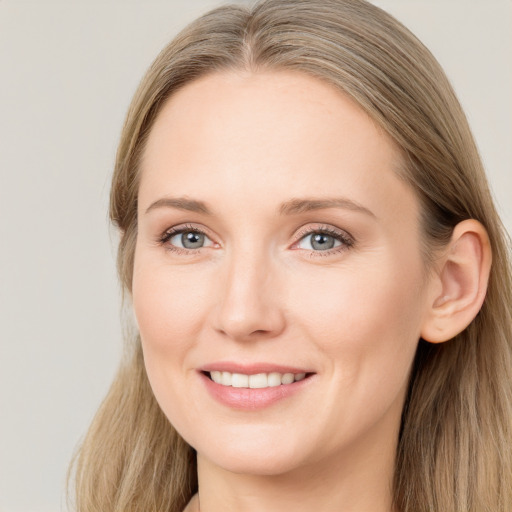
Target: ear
x: 458, y: 288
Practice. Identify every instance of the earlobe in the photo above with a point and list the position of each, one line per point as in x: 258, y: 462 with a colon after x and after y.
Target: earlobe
x: 460, y: 284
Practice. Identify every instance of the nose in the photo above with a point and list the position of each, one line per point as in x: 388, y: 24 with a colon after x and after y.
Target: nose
x: 249, y: 305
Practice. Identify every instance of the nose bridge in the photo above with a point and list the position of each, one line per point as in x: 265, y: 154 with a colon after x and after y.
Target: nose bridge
x: 248, y: 305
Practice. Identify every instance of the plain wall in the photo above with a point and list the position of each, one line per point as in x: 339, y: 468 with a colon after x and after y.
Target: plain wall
x: 68, y: 71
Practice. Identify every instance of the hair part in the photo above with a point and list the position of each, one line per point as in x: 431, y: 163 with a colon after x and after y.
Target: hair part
x: 454, y: 451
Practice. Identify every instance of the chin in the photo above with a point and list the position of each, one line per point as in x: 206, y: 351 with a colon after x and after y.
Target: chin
x: 264, y: 459
x: 268, y: 465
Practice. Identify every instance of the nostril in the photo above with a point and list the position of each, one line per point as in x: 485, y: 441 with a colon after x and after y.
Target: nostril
x: 258, y: 332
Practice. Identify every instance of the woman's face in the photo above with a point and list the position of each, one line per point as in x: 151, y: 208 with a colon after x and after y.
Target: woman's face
x: 275, y: 238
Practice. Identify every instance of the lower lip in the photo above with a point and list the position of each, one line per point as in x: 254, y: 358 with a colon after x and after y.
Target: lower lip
x: 252, y: 399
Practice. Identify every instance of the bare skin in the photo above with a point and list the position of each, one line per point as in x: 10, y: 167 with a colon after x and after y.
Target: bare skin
x: 273, y: 230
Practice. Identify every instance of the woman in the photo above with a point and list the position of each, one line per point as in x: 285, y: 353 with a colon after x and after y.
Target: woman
x: 307, y: 237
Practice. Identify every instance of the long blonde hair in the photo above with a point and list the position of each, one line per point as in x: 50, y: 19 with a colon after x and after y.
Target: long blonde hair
x: 455, y: 446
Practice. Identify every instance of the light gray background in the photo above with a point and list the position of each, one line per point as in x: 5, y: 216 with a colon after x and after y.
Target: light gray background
x: 68, y: 71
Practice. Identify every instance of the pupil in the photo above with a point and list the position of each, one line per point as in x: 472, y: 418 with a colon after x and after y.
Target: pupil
x: 322, y: 242
x: 192, y: 240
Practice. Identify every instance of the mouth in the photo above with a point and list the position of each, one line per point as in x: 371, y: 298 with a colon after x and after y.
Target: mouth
x: 256, y: 380
x: 252, y: 387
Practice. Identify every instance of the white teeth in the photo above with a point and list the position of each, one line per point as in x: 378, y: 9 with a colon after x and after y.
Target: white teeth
x: 226, y: 379
x: 274, y: 379
x: 239, y: 380
x: 216, y: 377
x: 287, y: 378
x: 257, y: 381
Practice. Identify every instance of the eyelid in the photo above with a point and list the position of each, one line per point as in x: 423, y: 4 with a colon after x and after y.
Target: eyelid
x: 163, y: 238
x: 346, y: 239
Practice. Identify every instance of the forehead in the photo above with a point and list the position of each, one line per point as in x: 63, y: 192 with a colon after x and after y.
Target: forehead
x: 249, y: 133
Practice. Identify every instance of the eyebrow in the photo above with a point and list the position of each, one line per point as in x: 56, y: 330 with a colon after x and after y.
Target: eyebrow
x: 291, y: 207
x: 296, y: 206
x: 180, y: 203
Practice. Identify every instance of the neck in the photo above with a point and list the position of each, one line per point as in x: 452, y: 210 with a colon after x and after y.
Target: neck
x: 349, y: 482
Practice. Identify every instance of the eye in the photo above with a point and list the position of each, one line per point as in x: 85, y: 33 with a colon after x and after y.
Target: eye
x: 186, y: 239
x: 324, y: 240
x: 319, y: 242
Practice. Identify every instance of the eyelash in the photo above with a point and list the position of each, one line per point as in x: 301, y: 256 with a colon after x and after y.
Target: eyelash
x: 187, y: 228
x: 347, y: 241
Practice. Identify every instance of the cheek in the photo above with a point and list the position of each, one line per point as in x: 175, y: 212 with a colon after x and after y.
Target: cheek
x: 169, y: 309
x: 168, y: 305
x: 366, y: 318
x: 366, y: 322
x: 378, y: 298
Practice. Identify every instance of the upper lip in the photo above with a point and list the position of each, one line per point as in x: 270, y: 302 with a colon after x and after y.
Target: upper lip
x: 252, y: 368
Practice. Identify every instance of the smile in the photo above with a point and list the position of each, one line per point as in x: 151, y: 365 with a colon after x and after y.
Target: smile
x: 255, y: 386
x: 256, y: 381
